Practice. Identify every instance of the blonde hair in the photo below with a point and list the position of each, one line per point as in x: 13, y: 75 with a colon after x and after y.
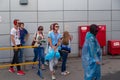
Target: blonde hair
x: 66, y: 38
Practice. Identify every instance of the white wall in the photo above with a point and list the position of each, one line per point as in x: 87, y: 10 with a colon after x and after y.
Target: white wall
x: 69, y: 15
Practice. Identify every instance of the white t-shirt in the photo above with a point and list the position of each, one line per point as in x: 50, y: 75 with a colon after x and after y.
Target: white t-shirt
x: 16, y: 34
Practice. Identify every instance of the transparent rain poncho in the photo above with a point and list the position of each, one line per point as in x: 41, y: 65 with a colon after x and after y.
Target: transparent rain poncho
x: 91, y: 53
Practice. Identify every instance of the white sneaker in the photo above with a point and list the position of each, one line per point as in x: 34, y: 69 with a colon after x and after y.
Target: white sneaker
x: 53, y: 77
x: 46, y: 63
x: 65, y: 73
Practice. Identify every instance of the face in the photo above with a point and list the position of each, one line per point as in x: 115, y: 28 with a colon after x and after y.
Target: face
x: 40, y: 30
x: 56, y: 27
x: 22, y: 26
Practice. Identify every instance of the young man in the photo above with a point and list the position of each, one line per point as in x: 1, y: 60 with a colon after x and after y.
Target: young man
x: 23, y: 38
x: 15, y: 42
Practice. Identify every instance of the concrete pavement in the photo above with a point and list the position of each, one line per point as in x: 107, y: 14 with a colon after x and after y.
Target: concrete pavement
x: 110, y: 69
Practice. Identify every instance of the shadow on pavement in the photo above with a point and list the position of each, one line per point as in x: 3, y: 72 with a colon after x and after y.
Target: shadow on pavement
x: 112, y: 76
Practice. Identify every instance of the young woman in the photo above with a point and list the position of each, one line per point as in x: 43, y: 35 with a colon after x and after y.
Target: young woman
x: 39, y: 50
x: 91, y: 55
x: 53, y: 54
x: 65, y: 50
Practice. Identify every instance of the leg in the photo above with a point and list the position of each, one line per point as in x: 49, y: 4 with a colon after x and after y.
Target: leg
x: 35, y: 54
x: 64, y: 60
x: 51, y: 64
x: 90, y: 72
x: 20, y: 55
x: 41, y: 56
x: 15, y: 59
x: 60, y: 55
x: 55, y: 61
x: 98, y: 73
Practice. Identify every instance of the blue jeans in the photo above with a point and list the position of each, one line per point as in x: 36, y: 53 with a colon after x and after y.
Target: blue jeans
x: 20, y: 55
x: 39, y: 53
x: 64, y: 60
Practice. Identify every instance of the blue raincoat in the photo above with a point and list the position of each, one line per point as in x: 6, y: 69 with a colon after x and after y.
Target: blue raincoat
x: 91, y: 53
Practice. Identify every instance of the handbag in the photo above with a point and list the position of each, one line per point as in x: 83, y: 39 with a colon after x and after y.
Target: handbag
x: 33, y: 42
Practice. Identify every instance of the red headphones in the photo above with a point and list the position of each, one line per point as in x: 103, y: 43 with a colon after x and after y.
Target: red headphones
x: 15, y: 22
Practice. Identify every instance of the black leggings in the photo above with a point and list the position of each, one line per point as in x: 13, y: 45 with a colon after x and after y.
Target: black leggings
x: 15, y: 58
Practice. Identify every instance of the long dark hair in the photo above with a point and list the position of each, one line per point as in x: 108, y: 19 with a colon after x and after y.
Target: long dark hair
x: 94, y: 29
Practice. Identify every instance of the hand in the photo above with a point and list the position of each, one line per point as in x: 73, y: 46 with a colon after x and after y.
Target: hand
x: 54, y: 47
x: 15, y: 48
x: 98, y: 62
x: 36, y: 40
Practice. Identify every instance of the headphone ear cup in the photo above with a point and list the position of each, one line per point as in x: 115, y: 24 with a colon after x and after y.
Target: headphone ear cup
x: 15, y: 21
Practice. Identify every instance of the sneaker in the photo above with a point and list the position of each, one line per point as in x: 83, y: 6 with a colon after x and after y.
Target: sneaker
x: 53, y: 77
x: 20, y: 72
x: 65, y: 73
x: 11, y: 70
x: 46, y: 63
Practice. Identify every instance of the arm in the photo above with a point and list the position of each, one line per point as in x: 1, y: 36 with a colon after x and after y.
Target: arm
x: 12, y: 39
x: 59, y: 42
x: 12, y: 36
x: 34, y: 37
x: 50, y: 42
x: 93, y: 51
x: 99, y: 53
x: 27, y: 36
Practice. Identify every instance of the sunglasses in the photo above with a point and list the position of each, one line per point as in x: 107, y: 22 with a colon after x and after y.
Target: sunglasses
x: 56, y: 26
x: 40, y: 30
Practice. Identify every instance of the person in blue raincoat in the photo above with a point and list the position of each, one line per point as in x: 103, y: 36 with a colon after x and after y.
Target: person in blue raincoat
x: 91, y: 55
